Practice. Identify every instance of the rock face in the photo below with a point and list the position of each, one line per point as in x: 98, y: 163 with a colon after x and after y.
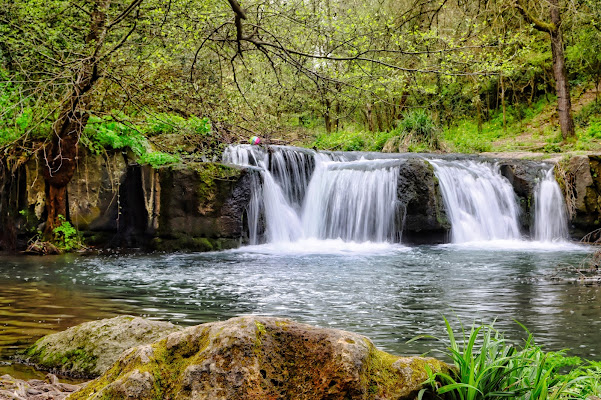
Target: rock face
x: 89, y: 349
x: 418, y: 191
x: 580, y: 180
x: 524, y: 176
x: 114, y: 202
x: 260, y: 358
x: 202, y: 207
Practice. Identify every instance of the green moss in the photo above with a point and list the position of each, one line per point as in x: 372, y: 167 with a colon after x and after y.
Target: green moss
x: 78, y: 359
x: 260, y: 333
x: 383, y: 379
x: 166, y: 366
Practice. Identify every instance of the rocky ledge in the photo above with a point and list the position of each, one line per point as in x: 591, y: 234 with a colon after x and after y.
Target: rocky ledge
x: 253, y: 357
x: 35, y: 389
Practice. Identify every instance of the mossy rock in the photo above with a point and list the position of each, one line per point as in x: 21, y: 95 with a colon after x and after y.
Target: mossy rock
x: 89, y: 349
x: 261, y: 358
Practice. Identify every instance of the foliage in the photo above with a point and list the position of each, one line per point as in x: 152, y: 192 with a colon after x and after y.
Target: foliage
x: 107, y: 133
x: 65, y: 236
x: 486, y: 365
x: 356, y: 140
x: 418, y: 131
x: 158, y: 158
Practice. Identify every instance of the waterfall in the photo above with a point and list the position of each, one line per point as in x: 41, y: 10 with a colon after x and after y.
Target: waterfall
x: 480, y: 202
x: 550, y: 219
x: 292, y: 169
x: 306, y: 194
x: 353, y: 200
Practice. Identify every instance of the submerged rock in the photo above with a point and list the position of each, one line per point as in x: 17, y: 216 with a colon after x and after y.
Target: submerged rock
x: 261, y: 358
x: 35, y: 389
x: 89, y: 349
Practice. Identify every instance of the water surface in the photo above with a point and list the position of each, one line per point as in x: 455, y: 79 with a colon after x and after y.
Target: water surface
x: 390, y: 293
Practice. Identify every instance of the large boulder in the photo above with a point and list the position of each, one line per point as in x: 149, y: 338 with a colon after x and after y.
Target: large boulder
x: 89, y: 349
x: 261, y: 358
x: 425, y: 219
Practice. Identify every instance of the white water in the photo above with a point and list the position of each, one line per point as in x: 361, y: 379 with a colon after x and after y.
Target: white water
x: 307, y: 200
x: 307, y: 195
x: 355, y: 201
x: 550, y: 220
x: 480, y: 202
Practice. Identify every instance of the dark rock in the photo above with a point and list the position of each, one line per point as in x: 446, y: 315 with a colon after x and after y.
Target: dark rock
x: 425, y: 219
x: 524, y: 175
x: 580, y: 180
x: 261, y: 358
x: 203, y: 204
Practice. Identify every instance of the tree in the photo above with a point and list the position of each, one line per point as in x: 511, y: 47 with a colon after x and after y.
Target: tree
x: 62, y: 49
x: 562, y: 86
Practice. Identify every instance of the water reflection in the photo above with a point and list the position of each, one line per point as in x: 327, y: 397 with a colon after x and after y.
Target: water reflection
x: 390, y: 295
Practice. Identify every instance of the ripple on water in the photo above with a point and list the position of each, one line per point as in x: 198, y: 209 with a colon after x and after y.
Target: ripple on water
x: 390, y: 293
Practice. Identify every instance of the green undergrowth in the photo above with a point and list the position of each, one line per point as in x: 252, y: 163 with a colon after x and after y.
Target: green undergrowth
x: 111, y: 132
x: 487, y: 366
x: 351, y: 140
x: 532, y: 128
x: 416, y: 132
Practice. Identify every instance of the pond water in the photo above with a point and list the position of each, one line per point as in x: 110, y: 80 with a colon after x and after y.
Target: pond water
x: 390, y: 293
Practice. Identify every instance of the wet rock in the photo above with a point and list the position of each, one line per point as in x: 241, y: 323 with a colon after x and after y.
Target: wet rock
x: 261, y: 358
x: 89, y: 349
x: 202, y: 206
x: 425, y: 219
x: 580, y: 180
x: 524, y: 176
x: 35, y: 389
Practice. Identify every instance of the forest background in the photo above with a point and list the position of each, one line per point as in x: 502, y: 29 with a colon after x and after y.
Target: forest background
x: 177, y: 80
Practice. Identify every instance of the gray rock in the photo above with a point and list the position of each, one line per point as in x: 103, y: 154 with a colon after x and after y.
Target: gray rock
x: 89, y: 349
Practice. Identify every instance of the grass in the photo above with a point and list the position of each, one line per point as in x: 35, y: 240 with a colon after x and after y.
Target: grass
x: 487, y: 366
x: 352, y: 140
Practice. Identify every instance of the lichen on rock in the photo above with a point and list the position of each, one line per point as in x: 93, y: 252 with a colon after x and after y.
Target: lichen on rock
x: 261, y: 358
x: 89, y: 349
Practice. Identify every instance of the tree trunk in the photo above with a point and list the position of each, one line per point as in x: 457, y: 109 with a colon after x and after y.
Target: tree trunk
x: 61, y: 153
x: 503, y: 105
x: 328, y: 117
x: 61, y: 161
x: 562, y: 86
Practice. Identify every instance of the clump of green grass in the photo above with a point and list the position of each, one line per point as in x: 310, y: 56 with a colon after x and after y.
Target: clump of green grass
x: 487, y: 366
x: 418, y: 132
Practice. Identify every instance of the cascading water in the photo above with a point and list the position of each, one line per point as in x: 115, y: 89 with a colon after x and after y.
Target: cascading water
x: 353, y: 200
x: 550, y: 219
x: 306, y: 194
x: 282, y: 223
x: 479, y: 201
